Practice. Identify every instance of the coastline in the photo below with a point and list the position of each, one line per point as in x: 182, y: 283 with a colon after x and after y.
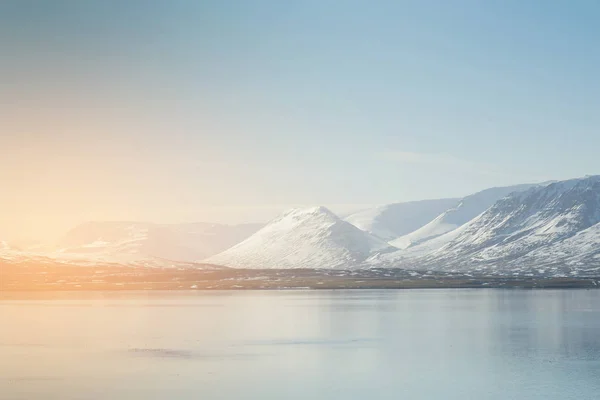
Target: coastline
x: 38, y: 278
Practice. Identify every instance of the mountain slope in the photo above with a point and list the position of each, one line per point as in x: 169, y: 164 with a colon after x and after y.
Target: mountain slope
x: 130, y: 241
x: 553, y: 225
x: 6, y: 253
x: 466, y: 209
x: 579, y: 253
x: 303, y: 238
x: 391, y: 221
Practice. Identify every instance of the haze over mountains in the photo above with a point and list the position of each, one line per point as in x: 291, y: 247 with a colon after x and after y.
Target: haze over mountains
x: 179, y: 242
x: 551, y: 228
x: 148, y: 243
x: 141, y: 243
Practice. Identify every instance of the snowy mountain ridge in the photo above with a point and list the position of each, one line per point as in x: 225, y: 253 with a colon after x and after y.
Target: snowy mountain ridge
x: 303, y: 238
x: 391, y: 221
x: 547, y: 225
x: 551, y: 229
x: 467, y: 208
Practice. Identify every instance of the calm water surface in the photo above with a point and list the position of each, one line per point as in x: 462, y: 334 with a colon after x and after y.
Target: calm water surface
x: 414, y: 344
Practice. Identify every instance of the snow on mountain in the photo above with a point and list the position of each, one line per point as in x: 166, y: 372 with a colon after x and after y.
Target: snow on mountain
x: 553, y: 225
x: 11, y: 255
x: 549, y: 229
x: 466, y: 209
x: 303, y: 238
x: 6, y: 253
x: 391, y: 221
x: 579, y: 253
x: 126, y: 242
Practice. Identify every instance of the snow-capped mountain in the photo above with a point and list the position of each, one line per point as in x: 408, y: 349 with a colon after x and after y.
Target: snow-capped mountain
x: 131, y: 241
x: 548, y: 226
x: 466, y: 209
x: 391, y: 221
x: 550, y: 229
x: 11, y: 255
x: 303, y: 238
x: 6, y: 253
x: 579, y: 253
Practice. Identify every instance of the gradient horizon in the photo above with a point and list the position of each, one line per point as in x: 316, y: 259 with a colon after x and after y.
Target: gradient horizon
x: 232, y: 111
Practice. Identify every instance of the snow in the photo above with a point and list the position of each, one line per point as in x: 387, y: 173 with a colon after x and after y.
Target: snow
x: 584, y: 247
x: 551, y: 229
x: 467, y: 209
x: 429, y: 246
x: 391, y: 221
x: 303, y: 238
x: 554, y: 224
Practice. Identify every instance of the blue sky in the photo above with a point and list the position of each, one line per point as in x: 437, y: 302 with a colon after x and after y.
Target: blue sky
x: 234, y: 110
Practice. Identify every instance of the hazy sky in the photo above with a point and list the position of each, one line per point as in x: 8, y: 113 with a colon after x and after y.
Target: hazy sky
x: 231, y: 111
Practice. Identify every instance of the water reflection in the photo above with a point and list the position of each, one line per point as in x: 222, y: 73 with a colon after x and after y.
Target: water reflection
x: 417, y: 344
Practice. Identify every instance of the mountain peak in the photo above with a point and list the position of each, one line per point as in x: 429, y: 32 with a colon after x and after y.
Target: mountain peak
x: 311, y: 237
x: 467, y: 208
x: 542, y: 226
x: 309, y: 212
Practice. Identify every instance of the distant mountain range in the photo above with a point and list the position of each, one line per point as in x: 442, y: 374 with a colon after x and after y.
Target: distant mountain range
x: 391, y: 221
x: 549, y: 229
x: 546, y: 229
x: 139, y: 243
x: 461, y: 213
x: 179, y: 242
x: 304, y: 238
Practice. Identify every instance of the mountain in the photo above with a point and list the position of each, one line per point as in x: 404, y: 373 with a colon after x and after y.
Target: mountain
x: 466, y: 209
x: 131, y: 241
x: 303, y: 238
x: 391, y: 221
x: 10, y: 254
x: 547, y: 229
x: 550, y: 229
x: 6, y: 252
x: 35, y: 260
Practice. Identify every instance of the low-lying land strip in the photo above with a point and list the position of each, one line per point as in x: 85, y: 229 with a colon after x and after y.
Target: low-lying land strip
x: 21, y: 277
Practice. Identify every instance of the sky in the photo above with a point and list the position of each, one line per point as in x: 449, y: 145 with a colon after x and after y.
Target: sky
x: 233, y: 111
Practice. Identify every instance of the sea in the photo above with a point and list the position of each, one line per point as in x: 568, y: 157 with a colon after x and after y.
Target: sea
x: 301, y: 344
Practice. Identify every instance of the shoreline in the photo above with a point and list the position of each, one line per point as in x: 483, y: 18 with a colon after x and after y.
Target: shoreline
x: 48, y: 278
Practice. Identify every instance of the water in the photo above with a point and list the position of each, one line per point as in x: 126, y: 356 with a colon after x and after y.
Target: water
x: 414, y: 344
